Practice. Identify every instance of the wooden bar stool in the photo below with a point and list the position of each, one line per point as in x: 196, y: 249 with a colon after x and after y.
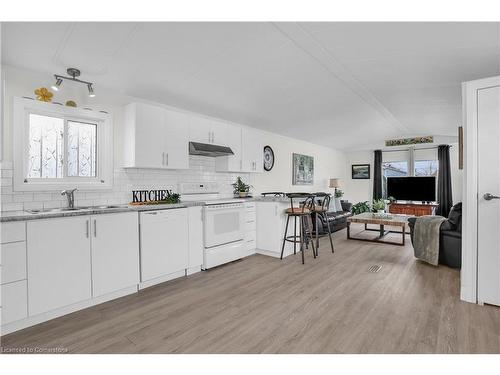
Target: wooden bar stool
x: 303, y: 215
x: 320, y: 211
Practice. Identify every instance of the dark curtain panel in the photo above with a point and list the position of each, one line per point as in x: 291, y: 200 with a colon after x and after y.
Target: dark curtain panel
x: 444, y: 181
x: 377, y: 175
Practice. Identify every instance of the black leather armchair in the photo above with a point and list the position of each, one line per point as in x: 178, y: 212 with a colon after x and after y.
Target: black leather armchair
x: 450, y: 237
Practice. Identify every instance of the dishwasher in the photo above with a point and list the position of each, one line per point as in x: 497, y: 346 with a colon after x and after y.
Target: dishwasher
x: 163, y: 243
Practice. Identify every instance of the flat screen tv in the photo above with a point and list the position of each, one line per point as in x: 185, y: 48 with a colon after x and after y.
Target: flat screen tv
x: 412, y: 188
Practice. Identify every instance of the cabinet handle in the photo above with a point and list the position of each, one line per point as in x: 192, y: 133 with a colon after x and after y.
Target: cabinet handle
x: 167, y: 158
x: 209, y: 137
x: 162, y: 158
x: 213, y: 137
x: 95, y: 228
x: 87, y: 225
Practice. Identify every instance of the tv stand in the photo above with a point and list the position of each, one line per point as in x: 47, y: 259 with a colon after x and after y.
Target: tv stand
x: 413, y: 208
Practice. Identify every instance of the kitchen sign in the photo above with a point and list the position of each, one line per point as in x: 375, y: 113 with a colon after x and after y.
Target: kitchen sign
x: 143, y: 196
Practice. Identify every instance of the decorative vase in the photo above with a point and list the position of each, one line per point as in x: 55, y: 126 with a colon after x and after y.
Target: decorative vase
x: 243, y: 194
x: 381, y: 212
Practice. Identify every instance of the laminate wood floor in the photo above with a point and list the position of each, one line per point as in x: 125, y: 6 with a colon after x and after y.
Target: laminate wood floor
x: 332, y: 304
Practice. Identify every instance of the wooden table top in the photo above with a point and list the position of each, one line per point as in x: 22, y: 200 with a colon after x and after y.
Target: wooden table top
x: 371, y: 218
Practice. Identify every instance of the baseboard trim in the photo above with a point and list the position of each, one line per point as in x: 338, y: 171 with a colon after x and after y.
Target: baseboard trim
x: 49, y: 315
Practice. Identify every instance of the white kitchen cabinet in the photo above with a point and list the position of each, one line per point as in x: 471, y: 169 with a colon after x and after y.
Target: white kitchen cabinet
x: 270, y: 224
x: 13, y: 262
x: 164, y: 243
x: 206, y: 130
x: 200, y: 129
x: 115, y: 252
x: 14, y: 302
x: 176, y: 140
x: 252, y: 150
x: 195, y: 228
x: 232, y: 139
x: 59, y: 264
x: 154, y: 137
x: 13, y: 232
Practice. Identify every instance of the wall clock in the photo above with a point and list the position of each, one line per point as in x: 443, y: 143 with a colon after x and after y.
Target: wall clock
x: 268, y: 158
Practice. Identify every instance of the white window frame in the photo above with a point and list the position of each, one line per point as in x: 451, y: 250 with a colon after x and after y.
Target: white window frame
x: 104, y: 179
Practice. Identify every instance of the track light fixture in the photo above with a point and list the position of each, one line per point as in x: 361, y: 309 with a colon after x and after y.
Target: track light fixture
x: 73, y: 73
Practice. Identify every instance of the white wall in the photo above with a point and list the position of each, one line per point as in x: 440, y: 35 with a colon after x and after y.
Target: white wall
x: 362, y: 190
x: 19, y: 82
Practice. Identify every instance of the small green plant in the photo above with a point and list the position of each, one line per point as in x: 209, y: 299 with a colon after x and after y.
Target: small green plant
x: 173, y: 197
x: 361, y: 207
x: 391, y: 199
x: 339, y: 193
x: 378, y: 205
x: 240, y: 187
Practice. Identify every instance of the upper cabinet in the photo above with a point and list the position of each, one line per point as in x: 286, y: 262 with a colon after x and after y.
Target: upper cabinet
x: 155, y: 137
x: 252, y: 144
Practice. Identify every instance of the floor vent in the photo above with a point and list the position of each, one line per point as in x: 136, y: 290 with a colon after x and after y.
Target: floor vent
x: 375, y: 268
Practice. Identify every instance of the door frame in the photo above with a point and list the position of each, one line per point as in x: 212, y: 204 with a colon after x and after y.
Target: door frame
x: 468, y: 274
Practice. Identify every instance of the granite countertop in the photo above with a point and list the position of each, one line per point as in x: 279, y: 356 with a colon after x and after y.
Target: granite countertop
x: 8, y: 216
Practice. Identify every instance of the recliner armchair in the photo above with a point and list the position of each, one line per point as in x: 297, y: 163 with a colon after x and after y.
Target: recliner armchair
x: 450, y: 237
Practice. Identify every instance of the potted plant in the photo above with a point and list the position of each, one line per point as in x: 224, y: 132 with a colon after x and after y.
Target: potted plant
x: 378, y: 206
x: 339, y: 193
x: 391, y: 199
x: 360, y: 207
x: 240, y: 188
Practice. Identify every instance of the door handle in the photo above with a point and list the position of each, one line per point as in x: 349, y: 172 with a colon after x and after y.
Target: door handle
x: 489, y: 196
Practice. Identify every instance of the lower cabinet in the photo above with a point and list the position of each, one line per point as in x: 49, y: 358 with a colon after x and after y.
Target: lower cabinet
x: 195, y: 228
x: 270, y: 223
x: 78, y: 258
x: 115, y: 252
x: 59, y: 264
x: 164, y: 243
x: 14, y: 302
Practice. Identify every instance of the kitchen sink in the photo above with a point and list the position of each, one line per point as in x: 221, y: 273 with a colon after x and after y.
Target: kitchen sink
x: 63, y: 209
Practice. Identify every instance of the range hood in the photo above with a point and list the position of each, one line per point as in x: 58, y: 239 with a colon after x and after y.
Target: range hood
x: 206, y: 149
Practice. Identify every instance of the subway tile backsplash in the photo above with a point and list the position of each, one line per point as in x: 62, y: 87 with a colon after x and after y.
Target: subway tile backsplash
x: 201, y: 169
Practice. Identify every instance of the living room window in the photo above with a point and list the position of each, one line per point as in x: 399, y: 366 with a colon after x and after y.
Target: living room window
x: 393, y: 169
x: 426, y: 167
x: 60, y: 147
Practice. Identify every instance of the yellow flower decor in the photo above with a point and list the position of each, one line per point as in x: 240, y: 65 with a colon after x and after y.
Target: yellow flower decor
x: 43, y: 94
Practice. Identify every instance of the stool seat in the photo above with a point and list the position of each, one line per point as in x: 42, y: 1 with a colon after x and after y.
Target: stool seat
x: 297, y: 211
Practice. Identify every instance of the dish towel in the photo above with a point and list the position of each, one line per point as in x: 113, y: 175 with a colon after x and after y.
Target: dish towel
x: 426, y: 238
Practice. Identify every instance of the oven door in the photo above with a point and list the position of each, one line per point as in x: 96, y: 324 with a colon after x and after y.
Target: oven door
x: 224, y: 223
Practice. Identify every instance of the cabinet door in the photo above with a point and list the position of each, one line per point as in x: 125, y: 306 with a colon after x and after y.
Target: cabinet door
x: 13, y: 302
x: 58, y: 263
x: 164, y: 243
x: 268, y: 226
x: 232, y: 139
x: 222, y: 133
x: 195, y: 228
x: 115, y: 252
x: 200, y: 129
x: 252, y: 150
x: 176, y: 139
x: 149, y: 136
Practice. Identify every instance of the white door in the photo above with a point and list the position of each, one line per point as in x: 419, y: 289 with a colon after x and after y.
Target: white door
x: 268, y: 226
x: 200, y: 129
x: 176, y: 139
x: 164, y: 242
x: 58, y: 263
x: 195, y: 228
x: 149, y: 141
x: 115, y: 252
x: 488, y: 118
x: 252, y: 150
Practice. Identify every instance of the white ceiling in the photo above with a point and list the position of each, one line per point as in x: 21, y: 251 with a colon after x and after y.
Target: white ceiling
x: 343, y: 85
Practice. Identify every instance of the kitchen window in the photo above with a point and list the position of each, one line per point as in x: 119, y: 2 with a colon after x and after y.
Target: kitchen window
x: 60, y: 147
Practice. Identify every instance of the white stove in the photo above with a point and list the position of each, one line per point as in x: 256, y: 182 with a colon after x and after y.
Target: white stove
x: 223, y: 223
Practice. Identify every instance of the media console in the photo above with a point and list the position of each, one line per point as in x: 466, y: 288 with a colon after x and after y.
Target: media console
x: 413, y: 208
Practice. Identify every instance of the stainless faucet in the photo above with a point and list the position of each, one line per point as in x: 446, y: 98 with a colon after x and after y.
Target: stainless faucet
x: 70, y: 194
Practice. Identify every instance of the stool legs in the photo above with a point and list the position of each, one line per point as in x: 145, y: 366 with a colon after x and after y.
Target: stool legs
x: 284, y: 237
x: 329, y: 233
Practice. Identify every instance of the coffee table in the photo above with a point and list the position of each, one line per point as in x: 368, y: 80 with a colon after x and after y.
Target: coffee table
x: 394, y: 220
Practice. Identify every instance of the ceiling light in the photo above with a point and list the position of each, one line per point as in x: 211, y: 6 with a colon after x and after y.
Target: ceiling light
x: 73, y: 74
x: 56, y: 86
x: 91, y: 90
